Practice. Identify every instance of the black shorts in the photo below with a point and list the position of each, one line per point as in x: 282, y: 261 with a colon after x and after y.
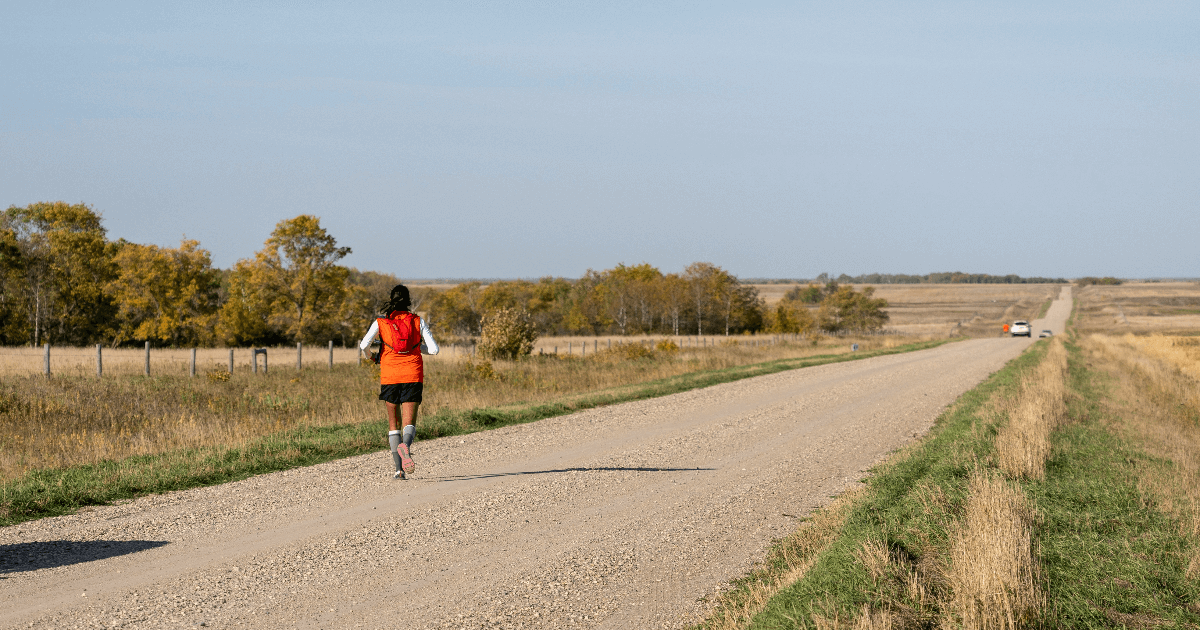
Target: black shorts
x: 401, y: 392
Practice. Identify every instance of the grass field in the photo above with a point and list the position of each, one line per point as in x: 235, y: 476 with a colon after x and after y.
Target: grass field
x: 71, y: 362
x: 1139, y: 307
x: 70, y: 442
x: 1064, y: 492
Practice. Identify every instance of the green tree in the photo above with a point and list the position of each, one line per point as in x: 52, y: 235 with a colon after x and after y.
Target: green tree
x: 741, y: 306
x: 549, y: 303
x: 245, y: 317
x: 847, y: 310
x: 165, y: 295
x: 457, y: 312
x: 293, y: 289
x: 377, y: 288
x: 66, y: 264
x: 810, y: 294
x: 13, y: 324
x: 673, y: 293
x: 507, y: 334
x: 587, y: 306
x: 705, y: 281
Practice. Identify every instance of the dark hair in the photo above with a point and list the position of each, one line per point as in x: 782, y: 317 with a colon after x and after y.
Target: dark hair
x: 398, y: 300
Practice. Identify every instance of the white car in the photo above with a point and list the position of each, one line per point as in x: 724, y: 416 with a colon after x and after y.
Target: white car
x: 1020, y: 329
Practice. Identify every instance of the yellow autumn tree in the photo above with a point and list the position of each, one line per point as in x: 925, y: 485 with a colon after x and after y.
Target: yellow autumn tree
x: 293, y: 289
x: 790, y: 316
x: 58, y: 262
x: 165, y: 295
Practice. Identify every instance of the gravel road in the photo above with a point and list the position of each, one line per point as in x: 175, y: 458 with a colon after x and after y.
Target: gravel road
x: 619, y: 517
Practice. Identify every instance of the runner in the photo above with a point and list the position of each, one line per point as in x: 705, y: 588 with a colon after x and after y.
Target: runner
x: 404, y: 337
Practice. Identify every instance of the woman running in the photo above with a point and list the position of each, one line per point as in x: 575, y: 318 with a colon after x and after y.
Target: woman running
x: 404, y: 337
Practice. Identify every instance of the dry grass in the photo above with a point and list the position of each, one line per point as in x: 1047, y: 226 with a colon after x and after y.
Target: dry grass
x: 60, y: 421
x: 473, y: 382
x: 1139, y: 307
x: 584, y: 345
x: 72, y: 362
x: 1156, y: 397
x: 993, y: 574
x: 76, y: 418
x: 1023, y: 443
x: 789, y: 561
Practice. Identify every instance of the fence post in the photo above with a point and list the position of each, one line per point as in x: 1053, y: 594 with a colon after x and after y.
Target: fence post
x: 263, y: 352
x: 46, y: 371
x: 299, y: 365
x: 568, y: 347
x: 193, y: 371
x: 331, y: 354
x: 231, y: 360
x: 99, y: 362
x: 595, y: 346
x: 147, y: 358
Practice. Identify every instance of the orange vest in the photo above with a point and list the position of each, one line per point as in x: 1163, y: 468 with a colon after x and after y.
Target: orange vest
x: 400, y: 362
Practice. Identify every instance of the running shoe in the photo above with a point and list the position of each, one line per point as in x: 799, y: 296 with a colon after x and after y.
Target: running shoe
x: 406, y: 462
x: 399, y: 475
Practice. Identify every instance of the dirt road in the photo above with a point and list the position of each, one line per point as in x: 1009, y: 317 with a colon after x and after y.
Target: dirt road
x: 620, y: 517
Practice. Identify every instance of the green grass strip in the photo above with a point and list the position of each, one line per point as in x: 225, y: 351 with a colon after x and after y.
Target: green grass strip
x: 1109, y: 559
x: 1045, y: 308
x: 902, y: 509
x: 53, y: 492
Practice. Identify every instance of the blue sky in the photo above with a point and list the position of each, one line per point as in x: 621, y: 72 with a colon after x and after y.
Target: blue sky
x: 528, y: 139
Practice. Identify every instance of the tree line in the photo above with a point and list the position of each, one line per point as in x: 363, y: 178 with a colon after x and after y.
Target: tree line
x: 946, y: 277
x: 63, y: 281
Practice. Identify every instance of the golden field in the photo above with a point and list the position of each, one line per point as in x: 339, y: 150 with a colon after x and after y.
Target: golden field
x: 1139, y: 307
x: 971, y: 310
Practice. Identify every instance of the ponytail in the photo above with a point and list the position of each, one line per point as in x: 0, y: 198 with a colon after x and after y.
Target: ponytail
x: 399, y: 300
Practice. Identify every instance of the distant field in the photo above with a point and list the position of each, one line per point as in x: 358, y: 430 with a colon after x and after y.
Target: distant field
x: 972, y: 310
x: 1139, y: 307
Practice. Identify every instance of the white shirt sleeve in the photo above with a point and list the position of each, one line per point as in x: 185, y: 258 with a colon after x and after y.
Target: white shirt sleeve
x: 373, y: 332
x: 428, y: 345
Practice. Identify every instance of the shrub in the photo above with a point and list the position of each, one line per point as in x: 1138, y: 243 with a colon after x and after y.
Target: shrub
x: 483, y: 370
x: 507, y: 334
x: 1105, y: 281
x: 666, y: 345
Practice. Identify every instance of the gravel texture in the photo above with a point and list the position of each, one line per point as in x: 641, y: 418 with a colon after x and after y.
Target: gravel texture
x: 627, y: 516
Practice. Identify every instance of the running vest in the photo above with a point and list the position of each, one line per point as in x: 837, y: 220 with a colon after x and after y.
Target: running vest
x: 400, y: 357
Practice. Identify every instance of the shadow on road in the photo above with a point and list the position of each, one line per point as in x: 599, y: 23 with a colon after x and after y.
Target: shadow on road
x: 562, y: 470
x: 32, y: 556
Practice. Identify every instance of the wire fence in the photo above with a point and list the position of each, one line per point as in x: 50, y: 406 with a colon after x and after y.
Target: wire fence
x: 100, y: 361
